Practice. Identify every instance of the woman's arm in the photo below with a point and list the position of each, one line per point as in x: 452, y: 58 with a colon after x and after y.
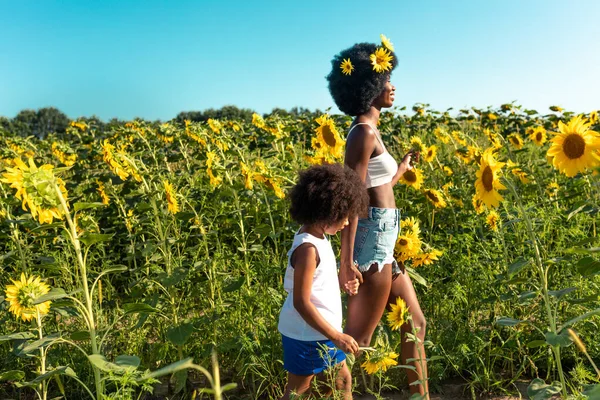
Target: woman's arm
x: 359, y: 147
x: 305, y: 263
x: 403, y: 167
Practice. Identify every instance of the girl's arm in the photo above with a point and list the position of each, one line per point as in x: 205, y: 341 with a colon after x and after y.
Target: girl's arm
x: 305, y: 263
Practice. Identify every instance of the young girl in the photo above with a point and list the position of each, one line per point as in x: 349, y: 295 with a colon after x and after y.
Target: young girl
x: 310, y: 321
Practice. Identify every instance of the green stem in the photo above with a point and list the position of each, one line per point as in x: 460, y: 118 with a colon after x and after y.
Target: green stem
x: 42, y: 355
x: 544, y: 283
x: 86, y: 293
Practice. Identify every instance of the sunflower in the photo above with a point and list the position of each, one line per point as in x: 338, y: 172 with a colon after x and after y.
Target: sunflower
x: 21, y: 295
x: 386, y: 42
x: 417, y: 144
x: 347, y: 67
x: 488, y: 183
x: 516, y: 140
x: 36, y: 189
x: 574, y: 149
x: 407, y: 246
x: 248, y: 174
x: 522, y: 175
x: 477, y: 204
x: 430, y: 153
x: 448, y: 170
x: 426, y: 258
x: 214, y: 179
x: 258, y: 121
x: 474, y: 153
x: 398, y: 314
x: 556, y: 109
x: 413, y: 178
x: 275, y: 187
x: 593, y: 117
x: 459, y: 138
x: 441, y: 135
x: 379, y: 361
x: 492, y: 116
x: 538, y: 135
x: 328, y: 139
x: 435, y: 197
x: 214, y: 125
x: 493, y: 220
x: 412, y: 225
x: 172, y: 204
x: 381, y: 60
x: 493, y: 138
x: 552, y: 189
x: 103, y: 195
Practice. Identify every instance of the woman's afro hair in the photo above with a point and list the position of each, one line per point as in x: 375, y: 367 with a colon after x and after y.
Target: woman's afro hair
x: 354, y: 93
x: 327, y: 194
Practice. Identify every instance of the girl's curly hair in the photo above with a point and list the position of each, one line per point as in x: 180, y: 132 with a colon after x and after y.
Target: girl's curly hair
x: 327, y: 194
x: 354, y: 93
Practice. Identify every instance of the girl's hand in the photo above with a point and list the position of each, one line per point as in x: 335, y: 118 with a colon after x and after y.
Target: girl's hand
x: 351, y: 287
x: 346, y: 343
x: 348, y: 274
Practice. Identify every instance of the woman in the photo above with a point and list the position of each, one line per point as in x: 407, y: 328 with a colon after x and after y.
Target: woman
x: 360, y: 86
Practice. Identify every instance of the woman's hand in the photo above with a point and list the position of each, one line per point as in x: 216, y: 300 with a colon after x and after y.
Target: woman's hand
x: 407, y: 162
x: 346, y: 343
x: 350, y: 278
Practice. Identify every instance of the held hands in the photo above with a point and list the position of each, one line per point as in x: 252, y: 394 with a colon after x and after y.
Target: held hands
x: 350, y: 279
x: 346, y: 343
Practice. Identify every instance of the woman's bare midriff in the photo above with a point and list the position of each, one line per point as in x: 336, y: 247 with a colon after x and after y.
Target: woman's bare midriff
x: 382, y: 196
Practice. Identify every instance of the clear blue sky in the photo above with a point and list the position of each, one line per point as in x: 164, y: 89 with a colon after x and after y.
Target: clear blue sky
x: 153, y: 59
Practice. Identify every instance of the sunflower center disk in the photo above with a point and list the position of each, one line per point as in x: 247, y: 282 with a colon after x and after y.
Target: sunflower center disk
x: 574, y: 146
x: 487, y: 178
x: 538, y: 137
x: 433, y: 197
x: 328, y: 136
x: 410, y: 176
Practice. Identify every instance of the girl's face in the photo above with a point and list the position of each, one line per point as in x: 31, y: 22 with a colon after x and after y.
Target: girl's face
x: 387, y: 96
x: 336, y: 227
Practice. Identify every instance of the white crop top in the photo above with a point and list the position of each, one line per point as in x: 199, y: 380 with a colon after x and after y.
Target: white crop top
x: 381, y: 168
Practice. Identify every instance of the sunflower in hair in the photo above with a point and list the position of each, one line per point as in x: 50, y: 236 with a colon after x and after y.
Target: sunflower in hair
x: 381, y: 60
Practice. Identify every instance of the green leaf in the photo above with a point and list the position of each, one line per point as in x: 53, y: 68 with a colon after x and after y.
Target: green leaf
x: 580, y: 318
x: 536, y: 343
x: 14, y: 375
x: 169, y: 369
x: 92, y: 238
x: 44, y: 342
x: 179, y: 378
x: 517, y: 266
x: 128, y: 361
x: 57, y: 371
x: 560, y: 340
x: 236, y: 285
x: 85, y: 206
x: 415, y: 276
x: 539, y: 390
x: 143, y: 308
x: 579, y: 207
x: 53, y: 294
x: 506, y: 321
x: 560, y: 293
x: 229, y: 386
x: 80, y: 335
x: 178, y: 335
x: 588, y: 266
x: 100, y: 362
x: 17, y: 336
x: 592, y: 392
x: 531, y: 294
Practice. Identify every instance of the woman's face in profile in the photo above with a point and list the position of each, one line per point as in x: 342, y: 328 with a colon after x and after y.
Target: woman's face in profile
x: 386, y: 97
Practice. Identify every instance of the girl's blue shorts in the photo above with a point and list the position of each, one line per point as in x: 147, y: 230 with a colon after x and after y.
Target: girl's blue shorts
x: 309, y: 357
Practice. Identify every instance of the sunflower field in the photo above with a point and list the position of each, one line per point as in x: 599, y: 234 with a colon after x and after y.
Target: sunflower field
x: 146, y: 260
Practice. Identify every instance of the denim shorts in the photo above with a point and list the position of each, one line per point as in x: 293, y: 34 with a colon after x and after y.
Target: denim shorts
x: 309, y: 357
x: 376, y: 238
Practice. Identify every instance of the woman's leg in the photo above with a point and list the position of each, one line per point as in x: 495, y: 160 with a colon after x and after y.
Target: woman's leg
x: 297, y: 384
x: 402, y: 287
x: 366, y: 307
